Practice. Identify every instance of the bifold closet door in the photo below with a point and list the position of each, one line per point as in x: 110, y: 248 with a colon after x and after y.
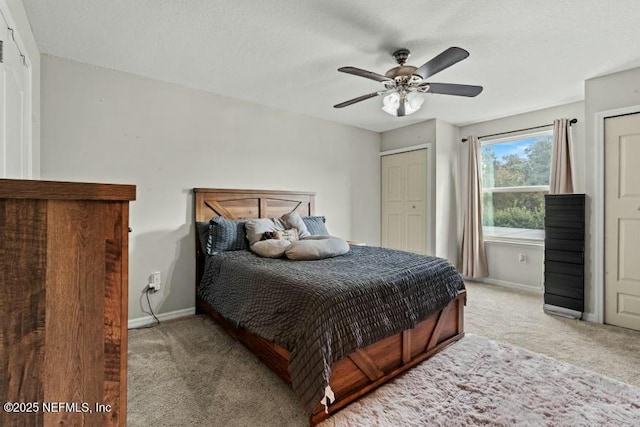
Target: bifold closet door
x: 404, y: 201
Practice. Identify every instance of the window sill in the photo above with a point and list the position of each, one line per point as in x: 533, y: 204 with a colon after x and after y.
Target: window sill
x: 514, y: 235
x: 514, y: 240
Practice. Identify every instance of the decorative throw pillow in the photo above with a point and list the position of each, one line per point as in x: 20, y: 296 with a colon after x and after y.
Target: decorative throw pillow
x: 316, y: 225
x: 290, y: 235
x: 255, y: 229
x: 271, y: 248
x: 226, y: 235
x: 316, y: 247
x: 294, y: 220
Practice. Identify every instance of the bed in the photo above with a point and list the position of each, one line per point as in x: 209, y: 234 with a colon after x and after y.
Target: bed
x: 362, y: 369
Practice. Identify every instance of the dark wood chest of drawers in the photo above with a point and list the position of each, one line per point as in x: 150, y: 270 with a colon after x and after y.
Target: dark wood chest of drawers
x: 564, y: 254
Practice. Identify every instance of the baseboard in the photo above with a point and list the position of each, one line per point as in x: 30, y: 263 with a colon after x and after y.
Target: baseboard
x: 149, y: 320
x: 513, y: 285
x: 589, y: 317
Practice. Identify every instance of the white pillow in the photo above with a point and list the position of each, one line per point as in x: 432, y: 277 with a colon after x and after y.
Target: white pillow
x: 271, y: 248
x: 255, y: 228
x: 291, y: 235
x: 318, y: 247
x: 294, y: 220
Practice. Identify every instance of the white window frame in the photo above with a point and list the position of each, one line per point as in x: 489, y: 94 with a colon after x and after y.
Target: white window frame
x: 518, y: 189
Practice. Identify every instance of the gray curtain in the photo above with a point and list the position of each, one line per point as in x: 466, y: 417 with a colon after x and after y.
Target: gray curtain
x: 474, y: 261
x: 561, y: 181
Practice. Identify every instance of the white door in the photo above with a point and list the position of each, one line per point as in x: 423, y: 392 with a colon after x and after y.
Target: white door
x: 14, y: 124
x: 404, y: 201
x: 622, y: 221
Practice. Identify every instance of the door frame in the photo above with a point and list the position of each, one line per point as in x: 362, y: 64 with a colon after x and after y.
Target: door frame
x: 430, y: 175
x: 31, y: 93
x: 599, y: 205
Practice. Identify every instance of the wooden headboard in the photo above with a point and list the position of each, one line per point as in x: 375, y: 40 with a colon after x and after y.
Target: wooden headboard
x: 246, y: 204
x: 249, y: 204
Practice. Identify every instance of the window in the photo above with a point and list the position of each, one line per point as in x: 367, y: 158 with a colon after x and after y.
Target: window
x: 515, y: 178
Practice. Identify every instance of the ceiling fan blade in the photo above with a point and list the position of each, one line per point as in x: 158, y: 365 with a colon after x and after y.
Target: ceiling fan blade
x: 445, y: 60
x: 401, y: 109
x: 454, y: 89
x: 358, y: 99
x: 364, y: 73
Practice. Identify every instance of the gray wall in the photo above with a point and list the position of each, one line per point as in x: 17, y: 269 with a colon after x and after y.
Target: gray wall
x: 100, y: 125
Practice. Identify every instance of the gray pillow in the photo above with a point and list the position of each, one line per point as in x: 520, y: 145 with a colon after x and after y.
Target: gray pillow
x: 226, y: 235
x: 294, y: 220
x: 316, y: 247
x: 315, y: 225
x: 202, y: 231
x: 255, y: 228
x: 271, y: 248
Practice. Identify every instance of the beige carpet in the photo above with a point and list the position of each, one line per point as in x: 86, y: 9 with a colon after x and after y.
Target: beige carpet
x: 516, y: 317
x: 189, y: 372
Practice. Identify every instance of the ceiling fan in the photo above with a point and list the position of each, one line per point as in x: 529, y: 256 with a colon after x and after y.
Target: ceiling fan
x: 404, y: 84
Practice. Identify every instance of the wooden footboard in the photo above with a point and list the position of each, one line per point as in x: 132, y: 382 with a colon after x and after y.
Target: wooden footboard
x: 367, y: 368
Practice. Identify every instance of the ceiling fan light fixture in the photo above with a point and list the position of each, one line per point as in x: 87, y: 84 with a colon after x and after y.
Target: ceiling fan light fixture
x: 390, y: 103
x: 405, y: 84
x: 412, y: 103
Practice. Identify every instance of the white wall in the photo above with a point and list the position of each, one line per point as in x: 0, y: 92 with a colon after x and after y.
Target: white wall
x: 611, y: 92
x: 419, y: 133
x: 100, y: 125
x: 447, y: 150
x: 14, y: 12
x: 503, y: 257
x: 506, y: 269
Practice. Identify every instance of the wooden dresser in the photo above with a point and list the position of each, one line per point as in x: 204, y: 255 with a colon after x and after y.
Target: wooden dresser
x: 63, y: 303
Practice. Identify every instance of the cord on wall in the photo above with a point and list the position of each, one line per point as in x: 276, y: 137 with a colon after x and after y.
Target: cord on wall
x: 148, y: 290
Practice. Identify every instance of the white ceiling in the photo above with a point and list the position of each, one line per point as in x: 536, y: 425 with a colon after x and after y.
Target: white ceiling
x: 284, y: 53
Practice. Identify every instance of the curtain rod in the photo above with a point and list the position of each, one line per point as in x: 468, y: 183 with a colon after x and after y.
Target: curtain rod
x: 571, y: 122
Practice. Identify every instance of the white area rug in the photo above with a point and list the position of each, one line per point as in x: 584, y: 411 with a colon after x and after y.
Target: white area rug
x: 480, y: 382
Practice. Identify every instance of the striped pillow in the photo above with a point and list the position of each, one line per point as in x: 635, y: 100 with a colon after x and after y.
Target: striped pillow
x: 226, y: 235
x: 315, y: 225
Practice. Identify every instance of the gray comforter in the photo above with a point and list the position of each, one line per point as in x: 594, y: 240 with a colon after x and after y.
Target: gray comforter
x: 323, y: 310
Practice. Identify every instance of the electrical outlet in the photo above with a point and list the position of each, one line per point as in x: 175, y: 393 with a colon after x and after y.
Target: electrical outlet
x: 156, y: 281
x: 522, y: 258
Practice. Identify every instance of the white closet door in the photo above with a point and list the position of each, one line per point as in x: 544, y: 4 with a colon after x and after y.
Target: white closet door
x: 404, y: 201
x: 14, y: 145
x: 622, y: 221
